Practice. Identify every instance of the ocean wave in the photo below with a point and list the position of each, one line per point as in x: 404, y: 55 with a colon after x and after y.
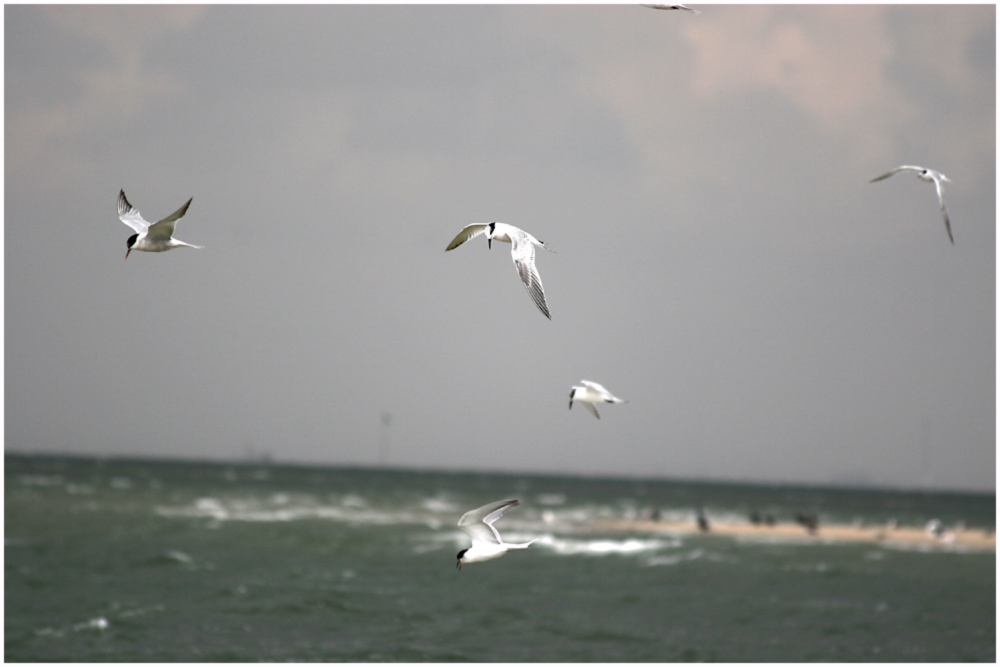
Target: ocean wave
x: 933, y: 547
x: 283, y: 507
x: 440, y: 505
x: 436, y: 512
x: 40, y: 480
x: 694, y: 554
x: 572, y: 546
x: 555, y: 544
x: 98, y: 623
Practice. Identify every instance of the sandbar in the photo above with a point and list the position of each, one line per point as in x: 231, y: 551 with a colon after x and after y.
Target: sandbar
x: 967, y: 538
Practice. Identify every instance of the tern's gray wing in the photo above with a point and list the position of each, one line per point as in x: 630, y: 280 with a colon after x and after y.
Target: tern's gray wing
x: 164, y: 229
x: 596, y: 387
x: 522, y: 251
x: 661, y: 6
x: 536, y: 241
x: 470, y: 231
x: 130, y: 215
x: 895, y: 171
x: 478, y: 523
x: 944, y: 211
x: 590, y: 406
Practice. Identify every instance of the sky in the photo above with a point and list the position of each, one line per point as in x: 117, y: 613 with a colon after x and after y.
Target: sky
x: 720, y: 258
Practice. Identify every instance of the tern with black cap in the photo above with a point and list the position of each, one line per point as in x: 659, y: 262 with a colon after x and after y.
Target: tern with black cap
x: 591, y: 393
x: 486, y: 541
x: 151, y: 237
x: 931, y: 176
x: 522, y: 251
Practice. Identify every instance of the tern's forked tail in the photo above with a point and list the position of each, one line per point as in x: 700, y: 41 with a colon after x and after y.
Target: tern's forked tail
x: 521, y: 546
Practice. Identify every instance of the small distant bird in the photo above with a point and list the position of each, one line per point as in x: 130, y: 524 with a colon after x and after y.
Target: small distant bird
x: 684, y: 7
x: 931, y: 176
x: 522, y: 251
x: 808, y: 521
x: 486, y: 541
x: 155, y: 237
x: 935, y: 528
x: 702, y: 521
x: 591, y: 393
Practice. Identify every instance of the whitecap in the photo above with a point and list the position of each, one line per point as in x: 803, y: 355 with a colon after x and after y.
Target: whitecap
x: 100, y: 623
x: 179, y: 556
x: 210, y: 507
x: 351, y: 500
x: 438, y: 504
x: 46, y: 632
x: 674, y: 559
x: 40, y: 480
x: 140, y: 611
x: 934, y: 547
x: 426, y: 547
x: 604, y: 547
x: 292, y: 508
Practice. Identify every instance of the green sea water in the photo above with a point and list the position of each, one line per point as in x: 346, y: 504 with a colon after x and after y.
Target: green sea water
x: 129, y: 560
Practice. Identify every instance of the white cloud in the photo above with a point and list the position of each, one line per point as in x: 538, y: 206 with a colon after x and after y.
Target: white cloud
x: 830, y: 62
x: 123, y: 85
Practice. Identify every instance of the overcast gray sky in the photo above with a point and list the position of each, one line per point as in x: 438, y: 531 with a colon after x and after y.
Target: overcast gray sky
x: 721, y: 259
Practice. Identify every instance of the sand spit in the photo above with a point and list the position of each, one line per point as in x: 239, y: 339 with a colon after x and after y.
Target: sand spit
x: 905, y: 536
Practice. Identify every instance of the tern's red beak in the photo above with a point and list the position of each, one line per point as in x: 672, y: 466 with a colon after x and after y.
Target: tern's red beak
x: 127, y: 252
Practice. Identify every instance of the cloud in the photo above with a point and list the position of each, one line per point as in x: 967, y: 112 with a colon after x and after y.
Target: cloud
x: 117, y: 85
x: 867, y: 75
x: 831, y: 63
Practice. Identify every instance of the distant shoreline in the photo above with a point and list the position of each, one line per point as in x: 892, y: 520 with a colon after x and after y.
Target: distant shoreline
x: 275, y: 463
x: 969, y: 538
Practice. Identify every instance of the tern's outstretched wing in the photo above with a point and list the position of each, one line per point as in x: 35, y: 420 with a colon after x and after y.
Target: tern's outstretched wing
x: 895, y: 171
x: 661, y: 6
x: 470, y: 231
x: 522, y: 251
x: 130, y: 215
x: 590, y: 406
x: 605, y: 394
x: 478, y: 523
x: 164, y: 229
x: 944, y: 211
x: 596, y: 387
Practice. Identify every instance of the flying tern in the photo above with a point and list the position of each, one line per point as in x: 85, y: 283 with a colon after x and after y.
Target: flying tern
x: 522, y: 251
x: 591, y: 393
x: 684, y: 7
x: 931, y: 176
x: 151, y: 237
x: 486, y: 541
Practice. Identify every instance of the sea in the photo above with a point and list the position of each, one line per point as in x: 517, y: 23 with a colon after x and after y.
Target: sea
x: 183, y: 561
